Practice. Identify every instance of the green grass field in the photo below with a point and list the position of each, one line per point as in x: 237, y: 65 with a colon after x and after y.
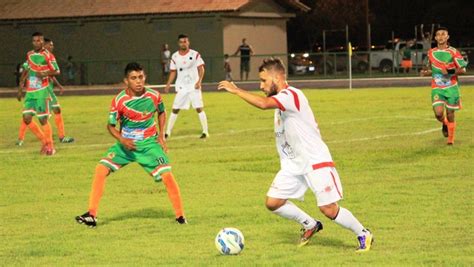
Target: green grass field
x: 399, y: 177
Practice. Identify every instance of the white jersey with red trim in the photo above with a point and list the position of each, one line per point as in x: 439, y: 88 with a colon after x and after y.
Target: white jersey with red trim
x: 186, y: 67
x: 298, y: 139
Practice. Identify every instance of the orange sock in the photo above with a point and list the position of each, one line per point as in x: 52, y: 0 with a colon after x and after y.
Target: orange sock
x: 451, y: 129
x: 445, y: 121
x: 97, y: 189
x: 38, y: 132
x: 173, y: 193
x: 48, y: 133
x: 58, y: 119
x: 22, y: 132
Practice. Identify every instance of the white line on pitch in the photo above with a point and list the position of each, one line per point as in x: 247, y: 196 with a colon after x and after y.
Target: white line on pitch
x: 270, y: 144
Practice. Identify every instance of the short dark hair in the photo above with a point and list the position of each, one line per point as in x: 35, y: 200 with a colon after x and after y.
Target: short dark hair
x: 47, y: 40
x: 272, y: 63
x: 37, y: 34
x: 441, y: 29
x: 182, y: 36
x: 132, y: 66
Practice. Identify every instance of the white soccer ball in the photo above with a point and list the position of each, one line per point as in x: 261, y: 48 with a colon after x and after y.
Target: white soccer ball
x: 230, y: 241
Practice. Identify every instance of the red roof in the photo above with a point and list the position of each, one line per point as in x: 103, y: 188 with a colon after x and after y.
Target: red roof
x: 47, y: 9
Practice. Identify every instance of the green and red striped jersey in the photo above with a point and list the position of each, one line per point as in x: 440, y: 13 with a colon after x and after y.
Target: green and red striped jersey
x: 37, y: 62
x: 135, y: 114
x: 440, y: 59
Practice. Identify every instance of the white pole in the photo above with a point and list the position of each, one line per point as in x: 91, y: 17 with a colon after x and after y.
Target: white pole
x: 349, y: 53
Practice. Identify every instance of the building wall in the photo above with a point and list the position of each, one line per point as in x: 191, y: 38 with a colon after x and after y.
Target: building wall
x: 102, y: 48
x: 266, y: 36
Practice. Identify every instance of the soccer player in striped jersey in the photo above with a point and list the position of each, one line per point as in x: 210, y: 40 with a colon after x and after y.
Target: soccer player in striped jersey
x: 304, y: 157
x: 445, y: 64
x: 54, y: 105
x: 41, y: 66
x: 137, y: 141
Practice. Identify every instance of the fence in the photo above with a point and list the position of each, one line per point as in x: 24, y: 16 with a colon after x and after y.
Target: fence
x: 329, y: 65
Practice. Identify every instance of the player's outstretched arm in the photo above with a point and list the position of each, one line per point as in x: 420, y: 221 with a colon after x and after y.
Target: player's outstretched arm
x: 127, y: 143
x: 258, y: 101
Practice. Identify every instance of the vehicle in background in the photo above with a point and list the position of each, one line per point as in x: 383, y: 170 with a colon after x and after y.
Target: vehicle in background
x: 300, y: 64
x: 390, y: 57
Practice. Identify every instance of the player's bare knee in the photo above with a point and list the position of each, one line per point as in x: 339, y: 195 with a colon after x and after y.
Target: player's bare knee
x: 175, y: 111
x: 330, y: 210
x: 199, y: 110
x: 273, y: 204
x: 56, y: 110
x: 43, y: 120
x: 27, y: 119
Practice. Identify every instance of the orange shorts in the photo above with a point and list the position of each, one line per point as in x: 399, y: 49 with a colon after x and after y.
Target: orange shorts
x: 407, y: 64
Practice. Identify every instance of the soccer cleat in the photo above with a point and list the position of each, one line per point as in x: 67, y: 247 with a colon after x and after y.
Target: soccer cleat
x: 308, y: 233
x: 87, y: 219
x: 204, y: 135
x: 66, y: 139
x: 450, y: 143
x: 444, y: 130
x: 19, y: 142
x: 365, y: 241
x: 181, y: 220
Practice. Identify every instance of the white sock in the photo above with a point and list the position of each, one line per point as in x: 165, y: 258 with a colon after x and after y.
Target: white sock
x: 203, y: 119
x: 171, y: 121
x: 347, y: 220
x: 292, y: 212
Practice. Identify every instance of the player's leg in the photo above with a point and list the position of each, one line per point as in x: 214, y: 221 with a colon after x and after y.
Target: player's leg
x: 451, y: 125
x: 58, y: 119
x: 29, y: 111
x: 327, y: 187
x: 154, y: 160
x: 242, y: 64
x: 286, y: 186
x: 181, y: 101
x: 115, y: 158
x: 438, y: 102
x: 198, y: 104
x: 21, y: 133
x: 43, y: 114
x: 453, y: 103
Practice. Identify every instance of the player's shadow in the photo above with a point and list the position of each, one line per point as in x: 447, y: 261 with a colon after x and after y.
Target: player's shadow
x: 146, y: 213
x: 319, y: 239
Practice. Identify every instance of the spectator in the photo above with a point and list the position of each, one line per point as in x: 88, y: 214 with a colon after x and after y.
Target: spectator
x: 245, y: 51
x: 227, y: 68
x: 165, y: 62
x: 70, y: 71
x: 406, y: 52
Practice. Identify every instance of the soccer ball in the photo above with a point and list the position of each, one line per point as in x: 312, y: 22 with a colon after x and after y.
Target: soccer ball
x: 230, y: 241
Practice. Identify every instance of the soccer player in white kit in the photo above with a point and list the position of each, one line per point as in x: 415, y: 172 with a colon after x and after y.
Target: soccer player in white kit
x: 188, y: 66
x: 305, y: 158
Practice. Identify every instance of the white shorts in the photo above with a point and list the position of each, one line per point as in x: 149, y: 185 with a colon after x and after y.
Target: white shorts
x: 324, y: 183
x: 184, y: 98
